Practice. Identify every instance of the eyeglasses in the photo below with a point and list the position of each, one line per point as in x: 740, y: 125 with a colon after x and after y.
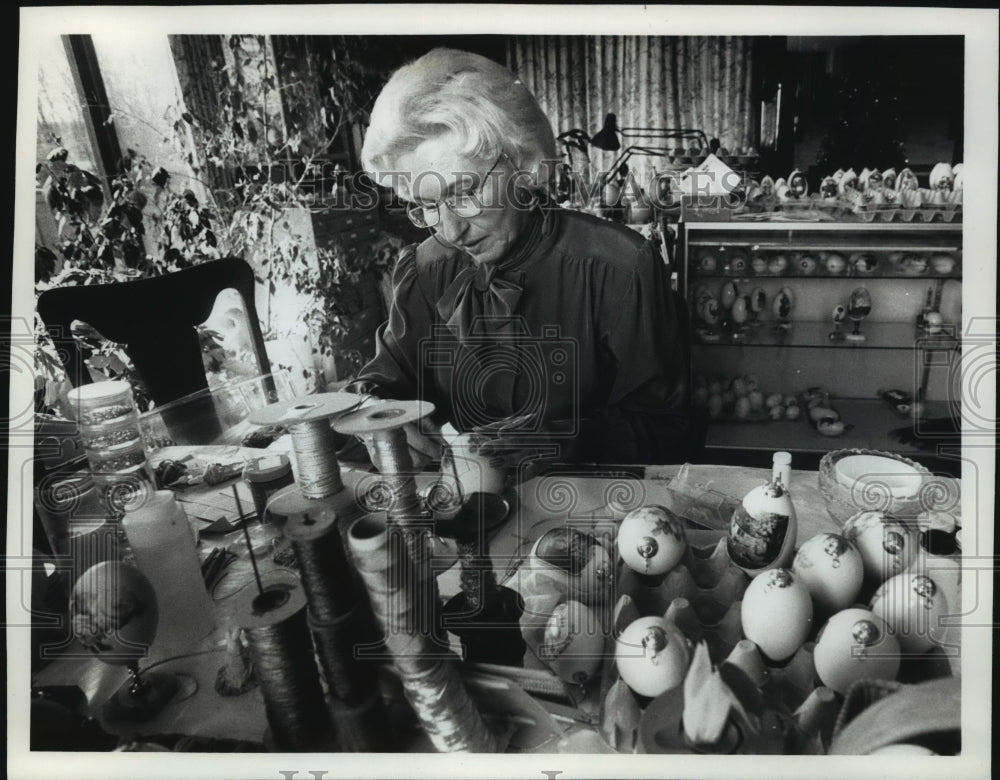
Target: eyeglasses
x: 462, y: 204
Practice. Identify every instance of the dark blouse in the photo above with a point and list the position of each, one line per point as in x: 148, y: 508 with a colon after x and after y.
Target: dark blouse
x: 576, y: 326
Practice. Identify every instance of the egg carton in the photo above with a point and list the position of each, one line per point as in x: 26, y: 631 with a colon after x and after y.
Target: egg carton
x: 702, y: 597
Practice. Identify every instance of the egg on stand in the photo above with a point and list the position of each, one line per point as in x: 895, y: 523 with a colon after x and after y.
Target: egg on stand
x: 839, y: 315
x: 114, y: 615
x: 757, y: 303
x: 776, y: 613
x: 781, y: 307
x: 859, y: 306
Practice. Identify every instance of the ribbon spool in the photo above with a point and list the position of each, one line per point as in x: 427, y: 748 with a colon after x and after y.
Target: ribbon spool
x: 307, y: 419
x: 430, y: 678
x: 383, y: 422
x: 275, y: 625
x: 340, y: 622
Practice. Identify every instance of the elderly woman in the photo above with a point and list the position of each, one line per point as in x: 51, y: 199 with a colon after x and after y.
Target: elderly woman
x: 514, y: 313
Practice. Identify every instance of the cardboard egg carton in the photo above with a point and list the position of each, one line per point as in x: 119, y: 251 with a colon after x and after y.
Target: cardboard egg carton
x: 702, y: 597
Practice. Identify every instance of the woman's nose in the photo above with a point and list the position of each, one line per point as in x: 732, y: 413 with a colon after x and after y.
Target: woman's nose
x: 450, y: 226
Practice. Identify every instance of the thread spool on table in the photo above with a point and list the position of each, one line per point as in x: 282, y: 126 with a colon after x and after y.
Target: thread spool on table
x: 340, y: 621
x: 274, y: 621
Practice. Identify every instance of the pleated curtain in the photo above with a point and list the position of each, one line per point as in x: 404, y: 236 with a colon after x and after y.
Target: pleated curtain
x: 694, y: 82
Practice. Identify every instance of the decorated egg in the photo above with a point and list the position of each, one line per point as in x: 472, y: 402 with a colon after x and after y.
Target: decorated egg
x: 773, y: 400
x: 835, y: 263
x: 759, y: 263
x: 651, y: 540
x: 875, y: 181
x: 586, y: 563
x: 114, y: 613
x: 828, y: 188
x: 710, y: 311
x: 762, y: 529
x: 767, y: 186
x: 715, y: 406
x: 807, y: 265
x: 839, y: 313
x: 792, y: 412
x: 859, y: 305
x: 848, y: 183
x: 742, y: 408
x: 739, y: 387
x: 912, y: 606
x: 777, y: 264
x: 942, y: 177
x: 783, y: 303
x: 831, y: 568
x: 758, y: 300
x: 752, y: 383
x: 907, y: 180
x: 776, y: 412
x: 572, y: 643
x: 756, y: 398
x: 943, y: 263
x: 797, y: 184
x: 886, y: 545
x: 738, y: 264
x: 855, y: 644
x: 728, y: 295
x: 740, y: 310
x: 863, y: 262
x: 776, y: 613
x: 829, y: 427
x: 652, y: 656
x: 889, y: 179
x: 707, y: 262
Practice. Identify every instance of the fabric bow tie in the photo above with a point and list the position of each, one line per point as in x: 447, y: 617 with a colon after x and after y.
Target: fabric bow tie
x: 481, y: 300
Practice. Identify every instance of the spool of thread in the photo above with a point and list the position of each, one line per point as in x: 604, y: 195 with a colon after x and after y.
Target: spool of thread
x: 431, y: 682
x: 278, y: 637
x: 265, y: 476
x: 316, y: 457
x: 335, y: 617
x: 163, y: 544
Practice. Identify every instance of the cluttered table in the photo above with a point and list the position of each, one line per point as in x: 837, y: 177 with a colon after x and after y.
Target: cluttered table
x: 556, y: 701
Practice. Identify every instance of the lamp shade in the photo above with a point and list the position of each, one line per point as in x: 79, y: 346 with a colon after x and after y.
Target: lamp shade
x: 607, y: 137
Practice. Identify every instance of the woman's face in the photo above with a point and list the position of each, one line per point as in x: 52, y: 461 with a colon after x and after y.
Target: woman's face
x: 434, y: 171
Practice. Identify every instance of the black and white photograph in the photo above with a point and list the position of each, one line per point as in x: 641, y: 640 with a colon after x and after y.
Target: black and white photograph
x: 591, y: 391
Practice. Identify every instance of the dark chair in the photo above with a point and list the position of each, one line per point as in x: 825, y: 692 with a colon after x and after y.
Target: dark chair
x: 156, y: 321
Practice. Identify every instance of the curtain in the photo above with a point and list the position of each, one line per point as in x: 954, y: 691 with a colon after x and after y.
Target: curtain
x: 694, y: 82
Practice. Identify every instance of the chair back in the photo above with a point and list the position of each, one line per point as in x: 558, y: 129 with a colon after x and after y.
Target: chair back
x: 156, y: 321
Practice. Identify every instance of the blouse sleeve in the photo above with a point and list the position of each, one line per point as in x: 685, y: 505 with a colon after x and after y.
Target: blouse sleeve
x: 392, y: 373
x: 646, y: 418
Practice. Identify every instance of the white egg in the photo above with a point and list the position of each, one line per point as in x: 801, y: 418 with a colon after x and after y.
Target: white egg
x: 835, y: 264
x: 887, y: 546
x: 912, y: 606
x: 831, y: 568
x: 739, y: 313
x: 651, y: 540
x: 792, y: 412
x: 573, y: 643
x: 759, y: 264
x: 807, y: 265
x: 728, y: 295
x: 777, y: 613
x: 855, y: 644
x: 707, y: 262
x: 777, y: 264
x: 652, y: 656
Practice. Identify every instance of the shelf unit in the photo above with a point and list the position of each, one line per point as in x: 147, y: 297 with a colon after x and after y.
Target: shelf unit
x: 903, y: 266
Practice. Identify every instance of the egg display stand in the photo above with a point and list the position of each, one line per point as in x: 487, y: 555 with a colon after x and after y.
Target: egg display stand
x: 702, y: 597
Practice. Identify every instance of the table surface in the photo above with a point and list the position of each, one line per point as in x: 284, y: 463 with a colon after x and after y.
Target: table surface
x: 541, y: 503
